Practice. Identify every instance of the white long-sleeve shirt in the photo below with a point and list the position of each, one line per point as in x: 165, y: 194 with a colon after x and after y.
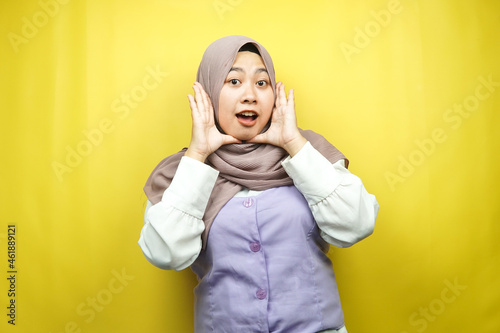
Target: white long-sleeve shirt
x: 344, y: 211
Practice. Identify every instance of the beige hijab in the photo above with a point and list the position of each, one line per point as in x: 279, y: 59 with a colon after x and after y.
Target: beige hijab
x: 250, y: 165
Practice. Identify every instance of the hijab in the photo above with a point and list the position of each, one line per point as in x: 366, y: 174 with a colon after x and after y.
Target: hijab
x: 248, y: 165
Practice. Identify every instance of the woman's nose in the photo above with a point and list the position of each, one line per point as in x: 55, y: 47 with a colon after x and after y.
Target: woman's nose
x: 249, y: 95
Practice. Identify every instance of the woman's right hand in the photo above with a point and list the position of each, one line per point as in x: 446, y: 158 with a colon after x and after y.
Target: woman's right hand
x: 205, y: 137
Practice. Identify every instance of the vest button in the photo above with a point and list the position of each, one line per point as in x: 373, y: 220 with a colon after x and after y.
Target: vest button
x: 248, y: 202
x: 261, y: 293
x: 255, y: 246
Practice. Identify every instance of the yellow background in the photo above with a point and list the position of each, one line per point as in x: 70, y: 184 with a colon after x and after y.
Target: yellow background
x: 382, y: 80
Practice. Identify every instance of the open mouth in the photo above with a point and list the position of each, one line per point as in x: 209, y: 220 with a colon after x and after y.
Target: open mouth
x: 247, y: 115
x: 247, y: 118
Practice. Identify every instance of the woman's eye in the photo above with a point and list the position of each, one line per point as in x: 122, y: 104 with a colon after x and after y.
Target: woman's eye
x: 261, y: 83
x: 234, y: 81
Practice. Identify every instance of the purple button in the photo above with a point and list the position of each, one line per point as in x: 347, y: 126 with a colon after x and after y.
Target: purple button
x: 255, y: 246
x: 248, y: 202
x: 261, y: 293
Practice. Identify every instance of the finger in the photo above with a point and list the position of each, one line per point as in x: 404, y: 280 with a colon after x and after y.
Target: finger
x: 280, y: 99
x: 278, y: 95
x: 192, y: 104
x: 282, y: 95
x: 274, y: 114
x: 205, y: 99
x: 228, y: 139
x: 196, y: 93
x: 197, y: 96
x: 201, y: 99
x: 291, y: 98
x: 202, y: 103
x: 259, y: 138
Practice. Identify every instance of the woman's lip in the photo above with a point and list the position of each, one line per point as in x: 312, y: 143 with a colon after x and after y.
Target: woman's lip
x: 249, y: 111
x: 247, y: 121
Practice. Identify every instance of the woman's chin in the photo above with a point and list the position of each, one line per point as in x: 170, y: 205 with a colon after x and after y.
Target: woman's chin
x: 244, y: 139
x: 244, y: 136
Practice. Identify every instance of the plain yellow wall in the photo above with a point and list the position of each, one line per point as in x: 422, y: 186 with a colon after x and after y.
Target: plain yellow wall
x: 93, y: 96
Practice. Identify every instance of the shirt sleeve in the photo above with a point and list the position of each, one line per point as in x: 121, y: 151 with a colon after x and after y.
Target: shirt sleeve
x: 344, y: 211
x: 171, y: 235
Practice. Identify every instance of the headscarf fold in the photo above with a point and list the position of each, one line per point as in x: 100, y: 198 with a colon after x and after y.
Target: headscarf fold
x: 250, y: 165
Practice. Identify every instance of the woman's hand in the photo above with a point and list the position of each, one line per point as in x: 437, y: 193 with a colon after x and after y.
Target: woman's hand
x: 205, y: 137
x: 283, y: 131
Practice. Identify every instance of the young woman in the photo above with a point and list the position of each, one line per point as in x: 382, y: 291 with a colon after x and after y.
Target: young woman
x: 254, y: 202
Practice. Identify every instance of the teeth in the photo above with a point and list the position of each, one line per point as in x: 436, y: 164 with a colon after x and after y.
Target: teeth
x: 247, y: 113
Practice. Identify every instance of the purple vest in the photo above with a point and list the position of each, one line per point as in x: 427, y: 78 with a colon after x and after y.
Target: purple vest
x: 265, y: 269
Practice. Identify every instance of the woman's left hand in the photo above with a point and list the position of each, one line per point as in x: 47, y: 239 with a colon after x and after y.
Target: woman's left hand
x: 283, y: 131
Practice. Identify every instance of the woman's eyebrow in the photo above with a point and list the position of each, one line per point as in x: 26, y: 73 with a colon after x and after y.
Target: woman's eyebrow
x: 257, y: 71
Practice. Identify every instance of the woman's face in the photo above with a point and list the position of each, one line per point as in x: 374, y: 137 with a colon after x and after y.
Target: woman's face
x: 246, y: 99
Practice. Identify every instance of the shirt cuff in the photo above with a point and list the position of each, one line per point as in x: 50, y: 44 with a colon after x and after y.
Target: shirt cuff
x: 312, y: 173
x: 191, y: 187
